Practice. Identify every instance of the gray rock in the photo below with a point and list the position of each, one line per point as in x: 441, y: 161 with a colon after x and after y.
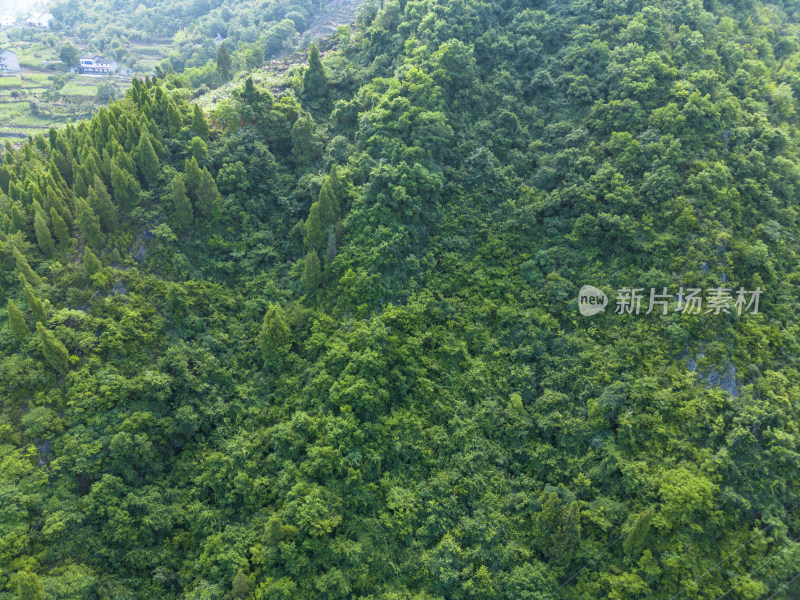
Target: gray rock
x: 44, y: 451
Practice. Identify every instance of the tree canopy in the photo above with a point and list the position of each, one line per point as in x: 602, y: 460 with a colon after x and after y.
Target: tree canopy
x: 328, y: 345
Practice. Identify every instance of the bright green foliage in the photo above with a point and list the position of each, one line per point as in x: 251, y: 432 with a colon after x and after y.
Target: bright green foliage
x: 53, y: 350
x: 174, y: 117
x: 423, y: 412
x: 16, y: 320
x: 34, y: 304
x: 275, y: 332
x: 198, y: 149
x: 29, y: 586
x: 207, y: 195
x: 24, y: 268
x: 315, y: 82
x: 43, y: 235
x: 240, y: 589
x: 192, y: 176
x: 199, y: 122
x: 321, y: 217
x: 91, y: 264
x: 60, y: 228
x: 69, y: 55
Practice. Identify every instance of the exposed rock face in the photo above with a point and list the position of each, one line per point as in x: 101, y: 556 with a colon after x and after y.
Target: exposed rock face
x: 724, y: 378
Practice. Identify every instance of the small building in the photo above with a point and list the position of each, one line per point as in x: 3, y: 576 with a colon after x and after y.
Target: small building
x: 8, y: 61
x: 41, y: 21
x: 219, y: 39
x: 97, y: 65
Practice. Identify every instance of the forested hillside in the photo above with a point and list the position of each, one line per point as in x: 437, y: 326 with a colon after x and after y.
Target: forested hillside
x: 255, y: 28
x: 328, y: 345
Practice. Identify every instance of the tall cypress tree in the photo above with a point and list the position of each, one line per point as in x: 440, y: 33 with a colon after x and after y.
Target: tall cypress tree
x: 103, y: 207
x: 53, y: 350
x: 24, y: 268
x: 321, y: 216
x: 148, y: 163
x: 89, y: 224
x: 207, y: 195
x: 43, y: 236
x: 315, y: 82
x: 174, y: 118
x: 181, y: 205
x: 275, y: 330
x: 91, y: 264
x: 312, y: 272
x: 199, y: 123
x: 60, y: 228
x: 224, y: 63
x: 16, y: 320
x: 34, y: 304
x: 126, y: 188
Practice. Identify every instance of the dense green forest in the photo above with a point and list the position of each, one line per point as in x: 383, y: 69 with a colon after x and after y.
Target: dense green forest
x: 255, y: 29
x: 326, y: 344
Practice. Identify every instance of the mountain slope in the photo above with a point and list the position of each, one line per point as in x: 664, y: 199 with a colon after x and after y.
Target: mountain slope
x: 331, y: 347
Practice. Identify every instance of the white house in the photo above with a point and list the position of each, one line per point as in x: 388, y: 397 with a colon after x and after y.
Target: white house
x: 41, y: 21
x: 8, y: 61
x: 90, y: 64
x: 219, y: 39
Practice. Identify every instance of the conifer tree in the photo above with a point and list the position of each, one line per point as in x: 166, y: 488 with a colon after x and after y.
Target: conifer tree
x: 199, y: 123
x: 24, y: 268
x: 321, y: 216
x: 60, y: 228
x: 173, y: 117
x: 103, y: 207
x: 312, y: 272
x: 91, y: 264
x: 224, y: 63
x: 192, y: 176
x: 126, y: 188
x: 336, y: 185
x: 53, y: 200
x: 181, y: 205
x: 275, y: 330
x: 34, y: 304
x: 89, y: 224
x: 208, y: 196
x: 53, y: 350
x: 315, y: 82
x: 43, y: 236
x: 148, y: 163
x: 16, y: 320
x: 80, y: 188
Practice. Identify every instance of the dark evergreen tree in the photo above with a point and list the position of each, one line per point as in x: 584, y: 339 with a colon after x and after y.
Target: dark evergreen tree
x: 16, y: 321
x: 224, y: 63
x: 53, y: 349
